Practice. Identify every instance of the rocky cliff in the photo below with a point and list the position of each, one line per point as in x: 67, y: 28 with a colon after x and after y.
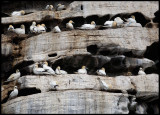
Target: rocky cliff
x: 118, y: 50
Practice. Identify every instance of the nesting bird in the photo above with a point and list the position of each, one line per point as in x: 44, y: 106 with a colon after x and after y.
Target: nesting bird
x: 88, y: 26
x: 56, y: 29
x: 39, y: 71
x: 13, y: 94
x: 14, y: 76
x: 48, y: 69
x: 69, y: 25
x: 103, y: 85
x: 10, y: 28
x: 49, y: 7
x: 20, y: 30
x: 110, y: 24
x: 119, y: 21
x: 131, y: 20
x: 101, y: 72
x: 59, y: 71
x: 82, y: 70
x: 33, y: 28
x: 41, y: 28
x: 141, y: 72
x: 53, y: 84
x: 61, y: 7
x: 18, y: 13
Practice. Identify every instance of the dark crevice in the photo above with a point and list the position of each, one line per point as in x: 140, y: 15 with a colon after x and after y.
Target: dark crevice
x: 52, y: 55
x: 81, y: 7
x: 92, y: 49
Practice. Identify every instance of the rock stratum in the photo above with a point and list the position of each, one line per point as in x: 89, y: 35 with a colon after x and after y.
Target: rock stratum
x: 118, y: 50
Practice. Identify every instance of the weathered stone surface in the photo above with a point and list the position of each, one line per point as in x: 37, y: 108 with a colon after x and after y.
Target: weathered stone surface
x: 68, y: 102
x: 38, y: 48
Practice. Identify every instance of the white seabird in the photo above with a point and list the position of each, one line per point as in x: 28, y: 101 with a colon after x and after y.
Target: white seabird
x: 130, y: 20
x: 59, y: 71
x: 10, y: 28
x: 18, y: 13
x: 41, y: 28
x: 14, y: 76
x: 119, y: 20
x: 69, y: 25
x: 39, y: 71
x: 14, y: 93
x: 49, y: 69
x: 33, y: 28
x: 110, y: 24
x: 20, y: 30
x: 61, y: 7
x: 82, y: 70
x: 101, y: 72
x: 53, y: 84
x: 49, y: 7
x: 56, y: 29
x: 88, y: 26
x: 141, y: 72
x: 103, y: 85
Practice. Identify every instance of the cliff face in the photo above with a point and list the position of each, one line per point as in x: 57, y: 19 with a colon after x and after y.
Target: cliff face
x: 118, y: 50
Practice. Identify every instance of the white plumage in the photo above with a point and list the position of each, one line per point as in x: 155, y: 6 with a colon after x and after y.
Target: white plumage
x: 14, y: 76
x: 10, y: 28
x: 101, y: 72
x: 82, y: 70
x: 88, y: 26
x: 18, y: 13
x: 53, y: 84
x: 103, y: 85
x: 20, y: 30
x: 41, y: 28
x: 61, y: 7
x: 49, y: 7
x: 59, y: 71
x: 141, y: 72
x: 33, y: 28
x: 14, y: 93
x: 56, y: 29
x: 69, y: 25
x: 49, y: 69
x: 130, y: 20
x: 119, y: 21
x: 39, y: 71
x: 110, y: 23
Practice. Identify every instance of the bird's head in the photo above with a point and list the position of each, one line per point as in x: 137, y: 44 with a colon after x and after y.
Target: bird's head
x: 51, y: 6
x: 22, y: 26
x: 36, y: 65
x: 71, y: 21
x: 10, y: 26
x: 114, y: 24
x: 34, y: 23
x: 43, y: 25
x: 140, y: 68
x: 22, y: 12
x: 93, y: 23
x: 38, y: 25
x: 133, y: 16
x: 84, y: 67
x: 103, y: 68
x: 17, y: 70
x: 59, y: 5
x: 46, y: 62
x: 58, y: 67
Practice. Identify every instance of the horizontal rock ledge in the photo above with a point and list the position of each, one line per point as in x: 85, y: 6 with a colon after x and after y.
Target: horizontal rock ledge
x: 68, y: 102
x: 140, y: 83
x: 38, y: 48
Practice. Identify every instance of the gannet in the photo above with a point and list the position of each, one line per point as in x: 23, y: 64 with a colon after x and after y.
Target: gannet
x: 14, y: 76
x: 49, y: 69
x: 61, y: 7
x: 130, y: 20
x: 118, y: 20
x: 10, y: 28
x: 20, y: 30
x: 38, y: 71
x: 53, y: 84
x: 110, y: 24
x: 88, y: 26
x: 33, y: 28
x: 101, y: 72
x: 82, y: 70
x: 103, y: 85
x: 141, y: 72
x: 56, y: 29
x: 14, y: 93
x: 59, y: 71
x: 41, y: 28
x: 18, y: 13
x: 69, y: 25
x: 49, y: 7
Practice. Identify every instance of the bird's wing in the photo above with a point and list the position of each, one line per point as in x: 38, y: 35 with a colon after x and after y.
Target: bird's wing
x: 11, y: 77
x: 108, y: 23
